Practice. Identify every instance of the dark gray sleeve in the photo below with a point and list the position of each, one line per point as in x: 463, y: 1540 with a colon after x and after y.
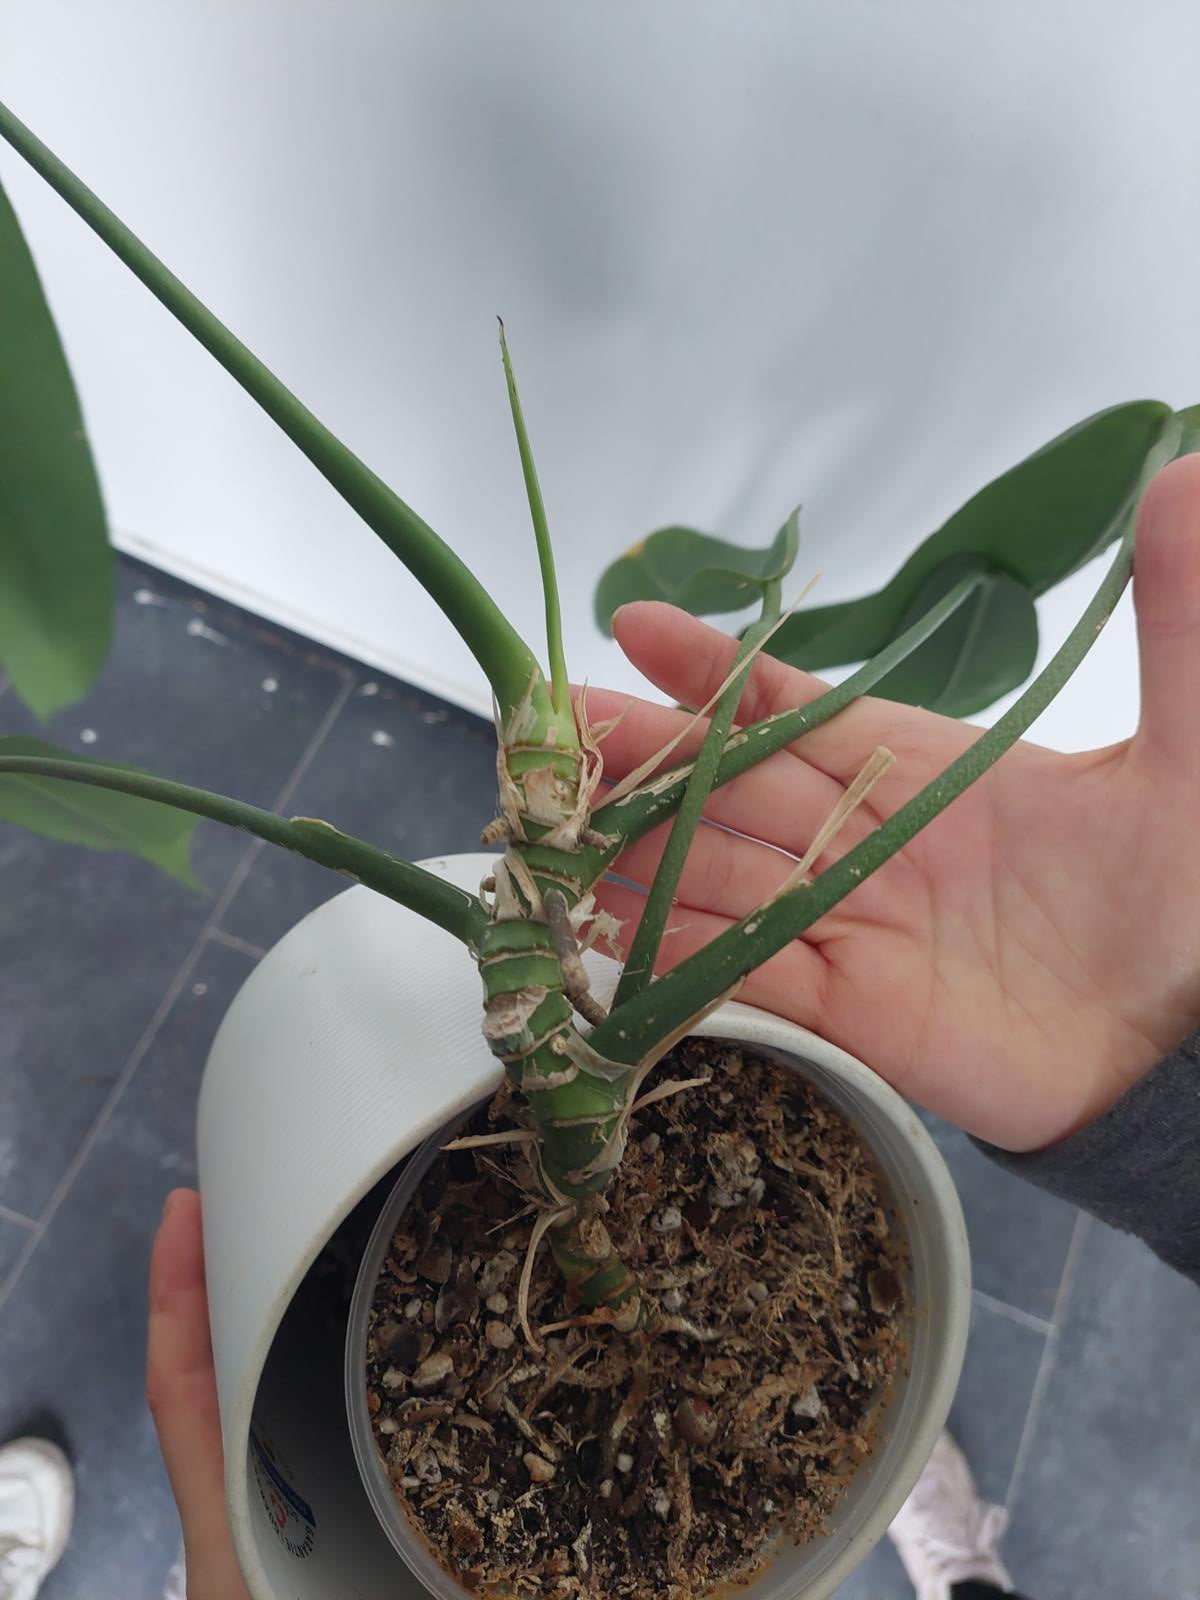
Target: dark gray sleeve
x: 1138, y: 1167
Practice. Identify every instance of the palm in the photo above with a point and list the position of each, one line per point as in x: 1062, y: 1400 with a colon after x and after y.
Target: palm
x: 982, y: 971
x: 1023, y: 959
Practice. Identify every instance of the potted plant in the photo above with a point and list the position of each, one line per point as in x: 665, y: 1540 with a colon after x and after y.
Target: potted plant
x: 625, y: 1328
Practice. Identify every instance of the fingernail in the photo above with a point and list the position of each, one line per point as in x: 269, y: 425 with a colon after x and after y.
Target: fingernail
x: 169, y: 1204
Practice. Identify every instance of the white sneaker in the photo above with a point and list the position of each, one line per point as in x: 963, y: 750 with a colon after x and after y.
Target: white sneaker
x: 944, y: 1533
x: 176, y: 1586
x: 37, y: 1504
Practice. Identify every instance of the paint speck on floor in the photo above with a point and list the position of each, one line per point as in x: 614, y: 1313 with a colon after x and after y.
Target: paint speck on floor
x: 270, y: 685
x: 435, y: 716
x: 201, y: 630
x: 381, y: 738
x: 199, y: 989
x: 367, y: 690
x: 147, y: 597
x: 87, y: 736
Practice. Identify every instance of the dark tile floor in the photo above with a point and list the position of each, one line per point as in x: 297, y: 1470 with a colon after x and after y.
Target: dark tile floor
x: 1078, y: 1405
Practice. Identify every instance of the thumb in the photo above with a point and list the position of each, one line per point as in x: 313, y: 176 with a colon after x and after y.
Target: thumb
x: 1166, y: 592
x: 182, y: 1391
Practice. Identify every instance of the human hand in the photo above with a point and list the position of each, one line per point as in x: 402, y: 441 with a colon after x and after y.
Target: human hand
x: 1030, y: 954
x: 181, y: 1387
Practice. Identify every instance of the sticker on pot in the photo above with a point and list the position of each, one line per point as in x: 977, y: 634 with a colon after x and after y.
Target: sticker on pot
x: 292, y: 1519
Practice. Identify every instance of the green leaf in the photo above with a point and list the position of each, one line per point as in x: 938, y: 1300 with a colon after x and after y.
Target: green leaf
x: 985, y: 648
x: 56, y: 566
x: 507, y: 661
x: 1039, y: 522
x: 1189, y: 431
x: 696, y: 571
x: 62, y: 774
x: 101, y: 819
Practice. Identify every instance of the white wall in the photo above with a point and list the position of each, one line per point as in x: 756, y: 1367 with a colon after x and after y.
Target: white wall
x: 859, y: 254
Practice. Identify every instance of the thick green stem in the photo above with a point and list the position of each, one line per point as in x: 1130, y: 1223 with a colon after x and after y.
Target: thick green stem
x: 695, y: 983
x: 502, y: 654
x: 643, y: 951
x: 431, y: 897
x: 580, y: 1106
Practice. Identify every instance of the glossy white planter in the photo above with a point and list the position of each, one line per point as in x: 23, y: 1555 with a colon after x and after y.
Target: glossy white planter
x: 355, y: 1039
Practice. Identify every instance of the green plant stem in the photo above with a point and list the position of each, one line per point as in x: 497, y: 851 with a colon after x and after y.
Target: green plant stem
x: 499, y: 650
x: 627, y: 1034
x: 643, y: 810
x: 440, y: 902
x: 643, y: 951
x: 559, y: 681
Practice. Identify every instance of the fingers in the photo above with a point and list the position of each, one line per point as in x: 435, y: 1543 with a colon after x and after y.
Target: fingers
x: 688, y: 660
x: 729, y: 874
x: 1166, y: 591
x: 792, y: 984
x: 181, y: 1388
x: 782, y: 800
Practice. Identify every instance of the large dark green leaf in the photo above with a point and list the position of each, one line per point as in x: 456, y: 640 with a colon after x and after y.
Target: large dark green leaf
x: 693, y: 570
x: 1039, y: 522
x: 56, y: 580
x: 101, y: 819
x: 985, y: 648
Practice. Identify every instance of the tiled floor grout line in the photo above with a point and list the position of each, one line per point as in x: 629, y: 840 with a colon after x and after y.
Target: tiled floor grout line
x: 232, y: 942
x: 1046, y: 1364
x: 1002, y: 1308
x: 125, y: 1077
x: 7, y: 1214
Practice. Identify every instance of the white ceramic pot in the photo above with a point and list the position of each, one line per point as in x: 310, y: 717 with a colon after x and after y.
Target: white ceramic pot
x: 354, y: 1040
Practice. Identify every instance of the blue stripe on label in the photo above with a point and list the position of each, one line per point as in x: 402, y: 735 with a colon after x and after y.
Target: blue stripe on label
x: 288, y: 1493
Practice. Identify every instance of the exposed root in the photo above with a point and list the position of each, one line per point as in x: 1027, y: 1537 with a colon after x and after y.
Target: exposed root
x: 684, y: 1325
x: 602, y: 1317
x: 508, y: 1136
x: 635, y: 1398
x: 664, y: 1091
x: 546, y: 1221
x: 566, y: 948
